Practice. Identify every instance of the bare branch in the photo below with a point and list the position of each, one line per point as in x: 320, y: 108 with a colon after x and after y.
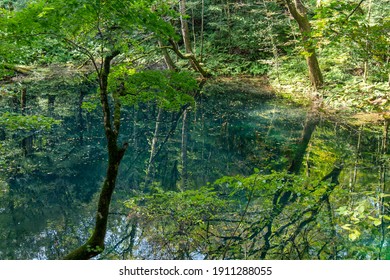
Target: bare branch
x: 354, y: 10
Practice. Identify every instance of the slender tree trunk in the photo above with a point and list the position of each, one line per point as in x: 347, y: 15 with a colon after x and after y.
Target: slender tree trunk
x: 184, y: 140
x: 333, y: 250
x: 366, y: 66
x: 383, y: 179
x: 193, y: 29
x: 186, y: 38
x: 134, y: 143
x: 50, y: 104
x: 95, y: 244
x: 202, y: 33
x: 27, y: 142
x: 23, y: 101
x: 184, y: 26
x: 298, y: 11
x: 153, y: 147
x: 27, y: 145
x: 167, y: 58
x: 309, y: 127
x: 273, y: 44
x: 355, y: 169
x: 229, y: 23
x: 80, y: 119
x: 133, y: 235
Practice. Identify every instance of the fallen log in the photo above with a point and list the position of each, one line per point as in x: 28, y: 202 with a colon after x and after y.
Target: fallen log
x: 17, y: 68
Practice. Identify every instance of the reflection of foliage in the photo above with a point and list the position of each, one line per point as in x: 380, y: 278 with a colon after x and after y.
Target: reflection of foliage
x: 229, y: 133
x: 229, y: 218
x: 169, y: 89
x: 277, y: 216
x: 176, y: 222
x: 363, y: 212
x: 20, y: 122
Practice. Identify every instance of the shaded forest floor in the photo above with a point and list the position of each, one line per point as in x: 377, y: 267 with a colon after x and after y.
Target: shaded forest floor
x: 369, y: 105
x: 364, y: 103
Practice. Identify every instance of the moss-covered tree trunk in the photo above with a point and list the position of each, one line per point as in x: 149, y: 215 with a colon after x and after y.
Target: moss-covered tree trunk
x: 167, y: 58
x: 95, y: 244
x: 298, y: 11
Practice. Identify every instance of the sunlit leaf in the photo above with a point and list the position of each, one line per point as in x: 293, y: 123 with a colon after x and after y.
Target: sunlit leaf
x: 354, y: 235
x: 361, y: 209
x: 346, y: 227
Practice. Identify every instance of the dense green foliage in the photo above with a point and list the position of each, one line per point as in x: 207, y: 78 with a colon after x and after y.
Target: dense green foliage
x: 197, y: 170
x: 230, y: 37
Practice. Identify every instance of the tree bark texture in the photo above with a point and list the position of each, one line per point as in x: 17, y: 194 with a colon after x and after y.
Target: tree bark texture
x: 298, y: 12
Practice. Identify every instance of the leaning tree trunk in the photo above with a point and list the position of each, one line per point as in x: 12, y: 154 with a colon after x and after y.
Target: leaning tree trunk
x: 311, y: 123
x: 298, y: 11
x: 95, y: 244
x: 167, y: 58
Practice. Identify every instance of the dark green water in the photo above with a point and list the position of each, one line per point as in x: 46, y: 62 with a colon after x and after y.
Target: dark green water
x: 50, y: 178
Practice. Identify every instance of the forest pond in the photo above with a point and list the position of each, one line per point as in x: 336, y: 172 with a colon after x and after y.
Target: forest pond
x: 237, y: 175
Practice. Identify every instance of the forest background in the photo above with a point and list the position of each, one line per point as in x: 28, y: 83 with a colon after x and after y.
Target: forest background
x: 331, y: 55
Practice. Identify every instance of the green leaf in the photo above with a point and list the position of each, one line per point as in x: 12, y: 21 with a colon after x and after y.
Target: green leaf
x: 377, y: 222
x: 354, y: 235
x: 386, y: 217
x: 360, y: 209
x: 346, y: 227
x: 343, y: 210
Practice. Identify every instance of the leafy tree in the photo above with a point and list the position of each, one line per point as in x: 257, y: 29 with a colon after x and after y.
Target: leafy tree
x: 360, y: 28
x: 298, y: 11
x: 102, y: 31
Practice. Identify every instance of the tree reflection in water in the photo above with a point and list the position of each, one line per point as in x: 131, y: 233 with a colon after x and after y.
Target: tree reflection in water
x: 245, y: 177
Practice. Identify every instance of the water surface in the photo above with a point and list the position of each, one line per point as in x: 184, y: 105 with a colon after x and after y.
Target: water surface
x: 50, y: 179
